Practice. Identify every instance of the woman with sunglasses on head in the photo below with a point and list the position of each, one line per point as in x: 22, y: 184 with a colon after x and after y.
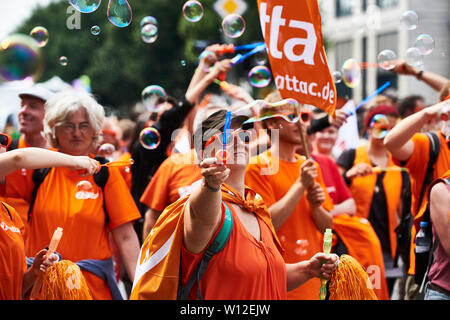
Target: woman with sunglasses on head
x: 250, y: 266
x: 73, y: 124
x: 380, y: 189
x: 15, y: 278
x: 292, y: 188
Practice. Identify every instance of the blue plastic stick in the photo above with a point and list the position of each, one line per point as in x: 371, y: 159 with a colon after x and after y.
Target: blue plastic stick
x: 239, y: 58
x: 247, y: 46
x: 225, y: 129
x: 373, y: 95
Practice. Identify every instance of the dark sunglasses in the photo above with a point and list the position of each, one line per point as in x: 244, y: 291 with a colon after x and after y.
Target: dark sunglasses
x: 243, y: 135
x: 5, y: 140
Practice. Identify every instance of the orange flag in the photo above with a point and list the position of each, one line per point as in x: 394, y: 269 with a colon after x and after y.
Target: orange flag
x: 293, y: 35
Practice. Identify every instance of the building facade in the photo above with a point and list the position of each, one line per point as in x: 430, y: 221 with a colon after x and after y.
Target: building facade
x: 361, y: 29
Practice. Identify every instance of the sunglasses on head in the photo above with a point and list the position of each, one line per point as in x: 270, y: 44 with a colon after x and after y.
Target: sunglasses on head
x: 5, y: 140
x: 243, y: 135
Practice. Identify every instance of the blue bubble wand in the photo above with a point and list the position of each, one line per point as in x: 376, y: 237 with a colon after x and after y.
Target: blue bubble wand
x: 241, y: 57
x: 226, y: 128
x: 370, y: 97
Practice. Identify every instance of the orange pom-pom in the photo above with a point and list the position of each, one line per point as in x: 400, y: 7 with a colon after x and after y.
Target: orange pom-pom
x: 64, y: 281
x: 350, y: 281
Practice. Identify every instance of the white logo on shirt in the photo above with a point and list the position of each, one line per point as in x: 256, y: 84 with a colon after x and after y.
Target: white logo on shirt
x: 84, y: 195
x: 5, y: 227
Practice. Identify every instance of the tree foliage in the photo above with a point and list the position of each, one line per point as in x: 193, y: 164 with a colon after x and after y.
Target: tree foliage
x: 119, y: 64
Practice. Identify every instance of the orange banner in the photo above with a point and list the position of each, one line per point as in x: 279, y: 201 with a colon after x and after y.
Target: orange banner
x: 293, y: 35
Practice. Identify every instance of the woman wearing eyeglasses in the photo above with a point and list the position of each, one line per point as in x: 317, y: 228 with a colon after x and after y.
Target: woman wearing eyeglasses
x: 15, y: 278
x: 73, y: 124
x: 250, y: 265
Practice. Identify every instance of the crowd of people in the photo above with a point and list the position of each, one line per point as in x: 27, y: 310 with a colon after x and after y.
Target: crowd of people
x: 262, y: 211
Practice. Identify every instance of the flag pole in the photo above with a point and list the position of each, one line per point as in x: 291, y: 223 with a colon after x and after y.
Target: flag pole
x: 302, y: 134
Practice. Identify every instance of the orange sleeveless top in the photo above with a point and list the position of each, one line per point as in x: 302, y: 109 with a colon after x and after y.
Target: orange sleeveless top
x: 246, y: 269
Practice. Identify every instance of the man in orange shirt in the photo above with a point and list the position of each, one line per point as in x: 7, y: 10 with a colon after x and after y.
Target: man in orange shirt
x: 295, y: 193
x: 31, y: 117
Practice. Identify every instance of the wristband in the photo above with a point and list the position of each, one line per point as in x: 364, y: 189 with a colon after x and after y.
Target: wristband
x: 205, y: 184
x: 419, y: 75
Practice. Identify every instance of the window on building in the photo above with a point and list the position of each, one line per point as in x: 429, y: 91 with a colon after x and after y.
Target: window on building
x: 344, y: 7
x: 387, y: 41
x: 387, y: 4
x: 344, y: 51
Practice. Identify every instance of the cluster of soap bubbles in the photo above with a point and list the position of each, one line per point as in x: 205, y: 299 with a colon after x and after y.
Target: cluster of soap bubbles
x: 423, y: 45
x: 119, y: 12
x: 149, y: 29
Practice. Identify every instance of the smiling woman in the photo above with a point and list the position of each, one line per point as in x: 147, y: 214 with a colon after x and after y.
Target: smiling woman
x: 73, y: 124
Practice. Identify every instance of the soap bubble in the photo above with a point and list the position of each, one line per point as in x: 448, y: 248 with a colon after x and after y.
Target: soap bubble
x: 63, y: 61
x: 149, y: 29
x: 95, y: 30
x: 379, y: 126
x: 233, y: 25
x: 150, y: 138
x: 193, y: 11
x: 259, y: 76
x: 337, y: 76
x: 150, y: 96
x: 40, y: 34
x: 84, y: 190
x: 387, y: 59
x: 409, y: 20
x: 425, y: 43
x: 414, y: 57
x: 351, y: 73
x: 119, y: 13
x: 106, y: 150
x: 85, y: 6
x: 149, y: 33
x: 20, y: 58
x: 148, y: 20
x: 301, y: 247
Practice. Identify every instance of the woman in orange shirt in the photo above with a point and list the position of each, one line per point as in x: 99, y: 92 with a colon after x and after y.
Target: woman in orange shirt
x: 15, y: 278
x: 73, y: 124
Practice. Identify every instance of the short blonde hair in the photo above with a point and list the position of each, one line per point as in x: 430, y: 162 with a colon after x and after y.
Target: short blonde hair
x: 62, y: 105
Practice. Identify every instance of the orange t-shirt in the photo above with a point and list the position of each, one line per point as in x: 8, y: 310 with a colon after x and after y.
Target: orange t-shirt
x: 177, y: 176
x: 299, y: 235
x: 81, y: 215
x: 12, y: 254
x: 417, y: 166
x: 246, y: 269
